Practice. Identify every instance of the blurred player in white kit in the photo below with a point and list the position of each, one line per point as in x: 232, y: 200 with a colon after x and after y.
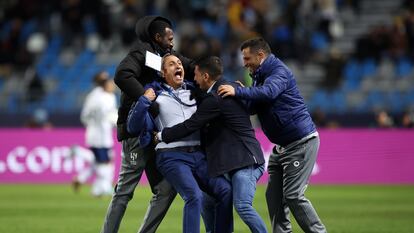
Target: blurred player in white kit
x: 99, y: 114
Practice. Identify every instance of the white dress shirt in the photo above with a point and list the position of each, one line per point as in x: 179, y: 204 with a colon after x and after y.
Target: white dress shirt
x: 173, y: 112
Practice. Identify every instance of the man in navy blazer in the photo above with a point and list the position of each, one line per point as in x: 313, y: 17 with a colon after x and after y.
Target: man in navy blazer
x: 182, y: 163
x: 229, y: 139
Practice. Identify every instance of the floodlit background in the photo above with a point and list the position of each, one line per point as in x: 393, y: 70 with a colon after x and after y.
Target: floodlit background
x: 354, y: 65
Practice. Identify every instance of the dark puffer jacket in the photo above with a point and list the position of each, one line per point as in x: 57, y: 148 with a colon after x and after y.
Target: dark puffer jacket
x: 132, y: 75
x: 275, y: 98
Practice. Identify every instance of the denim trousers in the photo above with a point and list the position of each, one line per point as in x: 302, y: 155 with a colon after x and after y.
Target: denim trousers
x: 244, y: 187
x: 187, y: 173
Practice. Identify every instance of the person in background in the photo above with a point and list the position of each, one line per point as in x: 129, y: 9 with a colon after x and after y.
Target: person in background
x: 286, y: 122
x: 154, y: 35
x: 383, y: 119
x: 39, y: 120
x: 98, y: 115
x: 407, y: 119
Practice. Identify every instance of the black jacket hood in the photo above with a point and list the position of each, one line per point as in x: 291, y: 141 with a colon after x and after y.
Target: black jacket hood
x: 142, y: 27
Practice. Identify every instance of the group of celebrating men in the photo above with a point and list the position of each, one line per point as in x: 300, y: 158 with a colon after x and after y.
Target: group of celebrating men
x: 190, y: 130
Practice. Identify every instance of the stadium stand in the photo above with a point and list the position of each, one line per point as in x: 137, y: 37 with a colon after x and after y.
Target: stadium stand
x: 351, y: 58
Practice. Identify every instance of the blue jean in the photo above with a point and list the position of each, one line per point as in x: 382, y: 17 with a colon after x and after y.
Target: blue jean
x: 244, y: 186
x: 208, y: 213
x: 187, y: 173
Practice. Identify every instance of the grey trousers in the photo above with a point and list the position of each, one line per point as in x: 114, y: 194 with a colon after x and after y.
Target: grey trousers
x: 289, y: 171
x: 134, y: 161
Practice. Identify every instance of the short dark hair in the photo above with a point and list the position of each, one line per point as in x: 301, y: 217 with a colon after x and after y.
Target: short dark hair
x: 158, y: 26
x: 211, y: 65
x: 100, y: 78
x: 255, y: 45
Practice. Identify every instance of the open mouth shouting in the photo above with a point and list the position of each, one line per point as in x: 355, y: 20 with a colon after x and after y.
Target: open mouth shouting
x: 179, y: 74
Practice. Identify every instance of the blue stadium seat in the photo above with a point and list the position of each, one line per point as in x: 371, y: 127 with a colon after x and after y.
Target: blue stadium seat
x: 409, y: 98
x: 375, y: 100
x: 47, y: 63
x: 42, y: 70
x: 338, y: 102
x: 214, y: 29
x: 319, y: 41
x: 319, y: 100
x: 282, y: 33
x: 352, y: 74
x: 67, y: 102
x: 89, y: 25
x: 396, y: 101
x: 55, y: 42
x: 86, y: 57
x: 28, y: 28
x: 52, y: 101
x: 368, y: 68
x: 85, y: 86
x: 404, y: 67
x: 12, y: 105
x: 111, y: 69
x: 57, y: 71
x: 30, y: 107
x: 5, y: 29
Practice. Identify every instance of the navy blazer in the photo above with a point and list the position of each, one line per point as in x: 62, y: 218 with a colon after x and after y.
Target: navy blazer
x: 229, y: 137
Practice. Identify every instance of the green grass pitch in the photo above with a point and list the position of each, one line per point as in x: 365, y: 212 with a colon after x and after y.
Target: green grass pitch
x: 55, y: 208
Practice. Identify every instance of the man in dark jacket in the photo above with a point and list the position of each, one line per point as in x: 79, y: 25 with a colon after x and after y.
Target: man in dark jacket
x: 155, y: 35
x: 230, y: 143
x: 286, y: 122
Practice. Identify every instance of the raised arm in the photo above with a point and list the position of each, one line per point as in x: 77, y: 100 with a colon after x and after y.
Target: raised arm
x: 138, y: 118
x: 271, y: 88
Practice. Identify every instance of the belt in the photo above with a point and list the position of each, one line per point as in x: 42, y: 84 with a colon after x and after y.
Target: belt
x: 185, y: 149
x: 277, y: 149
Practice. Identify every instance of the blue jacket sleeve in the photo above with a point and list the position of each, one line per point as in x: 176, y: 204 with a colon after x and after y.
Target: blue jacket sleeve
x: 139, y: 120
x: 156, y: 85
x: 270, y: 90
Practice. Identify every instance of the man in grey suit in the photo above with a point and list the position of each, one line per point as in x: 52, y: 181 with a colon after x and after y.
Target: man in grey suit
x: 286, y: 122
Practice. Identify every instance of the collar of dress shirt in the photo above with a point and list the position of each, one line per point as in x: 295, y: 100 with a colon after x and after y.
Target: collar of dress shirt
x: 183, y: 86
x: 211, y: 87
